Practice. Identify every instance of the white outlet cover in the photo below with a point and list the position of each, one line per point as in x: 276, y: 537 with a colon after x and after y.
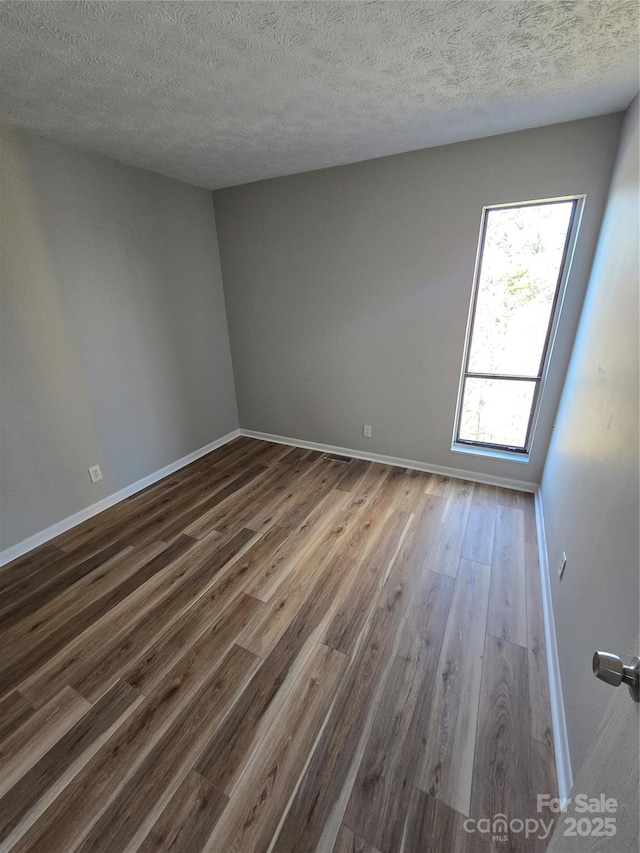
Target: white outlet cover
x: 367, y: 431
x: 95, y: 473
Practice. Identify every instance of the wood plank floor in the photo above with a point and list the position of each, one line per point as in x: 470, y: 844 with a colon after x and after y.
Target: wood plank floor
x: 273, y: 650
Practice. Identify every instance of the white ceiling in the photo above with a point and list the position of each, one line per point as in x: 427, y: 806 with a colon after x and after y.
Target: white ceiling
x: 222, y: 93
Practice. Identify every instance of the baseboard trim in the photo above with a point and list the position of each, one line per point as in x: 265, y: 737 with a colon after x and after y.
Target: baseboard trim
x: 560, y: 737
x: 43, y: 536
x: 395, y: 461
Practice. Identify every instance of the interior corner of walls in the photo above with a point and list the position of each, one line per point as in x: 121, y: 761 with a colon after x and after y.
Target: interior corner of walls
x: 558, y: 715
x: 232, y: 365
x: 234, y: 387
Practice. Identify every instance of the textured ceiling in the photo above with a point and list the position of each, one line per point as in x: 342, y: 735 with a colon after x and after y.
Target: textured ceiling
x: 221, y: 93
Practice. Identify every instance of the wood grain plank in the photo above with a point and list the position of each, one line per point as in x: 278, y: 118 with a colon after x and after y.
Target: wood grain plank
x: 449, y: 739
x: 375, y: 477
x: 56, y: 612
x: 380, y: 793
x: 302, y: 476
x: 169, y: 523
x: 237, y: 454
x: 76, y: 811
x: 543, y: 781
x: 477, y: 544
x: 90, y: 664
x: 156, y: 779
x: 377, y: 504
x: 266, y: 628
x: 38, y: 561
x: 530, y: 527
x: 403, y: 580
x: 268, y: 624
x: 511, y: 498
x: 438, y: 485
x: 230, y: 751
x: 100, y: 638
x: 354, y: 474
x: 311, y: 494
x: 433, y: 825
x: 446, y: 549
x: 355, y: 606
x: 539, y: 700
x: 233, y: 514
x: 348, y: 842
x: 260, y: 551
x: 412, y: 488
x: 188, y: 818
x: 132, y: 515
x: 502, y: 765
x: 39, y: 734
x: 155, y: 662
x: 543, y: 771
x: 212, y: 514
x: 299, y: 454
x: 322, y: 784
x: 14, y: 711
x: 39, y: 636
x: 18, y: 802
x: 296, y: 548
x: 253, y: 814
x: 207, y: 577
x: 272, y: 453
x: 40, y: 588
x: 508, y: 599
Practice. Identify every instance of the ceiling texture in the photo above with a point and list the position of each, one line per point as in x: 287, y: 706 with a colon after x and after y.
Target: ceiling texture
x: 222, y: 93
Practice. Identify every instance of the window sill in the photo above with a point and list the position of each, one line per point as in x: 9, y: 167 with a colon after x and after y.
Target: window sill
x: 523, y: 458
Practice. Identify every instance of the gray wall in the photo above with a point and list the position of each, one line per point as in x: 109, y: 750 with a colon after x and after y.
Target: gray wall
x: 590, y: 482
x: 348, y: 289
x: 114, y: 341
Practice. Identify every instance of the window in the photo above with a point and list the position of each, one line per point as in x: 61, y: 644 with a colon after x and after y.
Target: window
x: 523, y: 262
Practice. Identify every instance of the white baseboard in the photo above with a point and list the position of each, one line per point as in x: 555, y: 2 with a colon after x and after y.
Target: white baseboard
x: 560, y: 738
x: 43, y: 536
x: 396, y: 461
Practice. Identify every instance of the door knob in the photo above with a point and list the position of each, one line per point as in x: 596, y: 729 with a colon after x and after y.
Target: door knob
x: 609, y: 668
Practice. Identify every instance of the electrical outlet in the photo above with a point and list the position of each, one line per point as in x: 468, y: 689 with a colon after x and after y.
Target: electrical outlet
x: 367, y: 431
x: 95, y: 473
x: 563, y: 565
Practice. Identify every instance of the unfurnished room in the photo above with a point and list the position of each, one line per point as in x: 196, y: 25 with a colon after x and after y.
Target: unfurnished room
x: 319, y: 426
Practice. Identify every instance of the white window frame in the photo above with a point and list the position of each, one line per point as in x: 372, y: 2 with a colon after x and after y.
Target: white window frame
x: 500, y: 452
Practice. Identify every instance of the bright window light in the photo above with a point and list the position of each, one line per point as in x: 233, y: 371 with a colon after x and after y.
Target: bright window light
x: 523, y: 262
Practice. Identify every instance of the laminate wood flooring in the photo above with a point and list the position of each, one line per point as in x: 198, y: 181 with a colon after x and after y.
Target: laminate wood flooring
x: 273, y: 650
